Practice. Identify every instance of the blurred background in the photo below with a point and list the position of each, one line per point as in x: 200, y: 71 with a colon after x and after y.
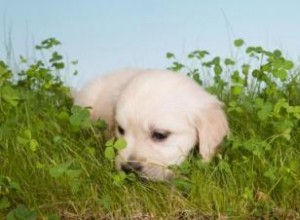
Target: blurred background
x: 107, y: 35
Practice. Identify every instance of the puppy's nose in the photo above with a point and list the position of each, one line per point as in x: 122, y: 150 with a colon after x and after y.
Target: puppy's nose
x: 131, y: 166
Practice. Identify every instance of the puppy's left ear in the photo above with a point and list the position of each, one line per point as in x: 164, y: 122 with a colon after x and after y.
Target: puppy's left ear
x: 212, y: 127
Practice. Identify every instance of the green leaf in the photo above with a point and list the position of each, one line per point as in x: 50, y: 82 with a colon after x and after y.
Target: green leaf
x: 106, y: 202
x: 120, y: 144
x: 10, y: 95
x: 33, y: 144
x: 170, y: 55
x: 270, y: 174
x: 101, y: 124
x: 263, y: 114
x: 15, y: 185
x: 281, y: 74
x: 236, y: 90
x: 80, y: 116
x: 55, y: 57
x: 182, y: 184
x: 288, y: 65
x: 218, y: 70
x: 58, y: 65
x: 22, y: 213
x: 119, y: 178
x: 177, y: 66
x: 4, y: 203
x: 74, y: 62
x: 60, y: 169
x: 110, y: 142
x: 75, y: 185
x: 27, y: 134
x: 236, y: 78
x: 216, y: 61
x: 199, y: 54
x: 53, y: 217
x: 277, y: 53
x: 109, y: 153
x: 239, y: 42
x: 73, y: 173
x: 245, y: 69
x: 229, y: 62
x: 47, y: 44
x: 21, y: 140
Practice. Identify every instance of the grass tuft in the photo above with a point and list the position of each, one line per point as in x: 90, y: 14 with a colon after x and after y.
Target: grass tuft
x: 56, y: 164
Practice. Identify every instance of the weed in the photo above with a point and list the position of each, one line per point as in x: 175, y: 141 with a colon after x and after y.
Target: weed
x: 56, y: 163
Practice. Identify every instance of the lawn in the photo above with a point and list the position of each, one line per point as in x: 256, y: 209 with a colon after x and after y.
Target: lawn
x: 54, y: 161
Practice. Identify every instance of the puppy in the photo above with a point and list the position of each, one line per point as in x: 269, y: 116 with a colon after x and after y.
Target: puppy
x: 162, y: 115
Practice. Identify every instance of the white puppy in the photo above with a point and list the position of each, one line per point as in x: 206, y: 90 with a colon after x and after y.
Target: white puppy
x: 162, y: 115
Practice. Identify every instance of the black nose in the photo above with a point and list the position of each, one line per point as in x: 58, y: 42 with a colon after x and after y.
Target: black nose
x: 131, y: 167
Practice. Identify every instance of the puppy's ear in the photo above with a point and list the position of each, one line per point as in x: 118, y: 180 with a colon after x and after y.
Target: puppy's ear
x: 212, y: 127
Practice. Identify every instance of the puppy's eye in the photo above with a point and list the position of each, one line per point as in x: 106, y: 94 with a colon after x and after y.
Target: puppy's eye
x: 159, y: 135
x: 121, y: 130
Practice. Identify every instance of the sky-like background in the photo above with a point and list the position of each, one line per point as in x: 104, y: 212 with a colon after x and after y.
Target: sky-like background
x: 107, y: 35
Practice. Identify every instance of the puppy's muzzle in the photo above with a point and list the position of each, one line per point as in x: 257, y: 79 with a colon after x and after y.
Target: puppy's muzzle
x: 131, y: 167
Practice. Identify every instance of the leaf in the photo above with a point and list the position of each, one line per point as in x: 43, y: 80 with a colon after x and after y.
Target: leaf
x: 245, y: 69
x: 4, y: 203
x: 10, y: 95
x: 27, y: 134
x: 120, y: 144
x: 106, y: 202
x: 177, y: 66
x: 218, y: 70
x: 277, y: 53
x: 170, y: 55
x: 15, y: 185
x: 109, y: 153
x: 119, y: 178
x: 59, y: 169
x: 216, y: 61
x: 288, y: 65
x: 73, y: 173
x: 199, y: 54
x: 239, y: 42
x: 58, y: 65
x: 80, y: 116
x: 33, y: 145
x: 229, y: 62
x: 75, y: 185
x: 182, y: 184
x: 236, y: 78
x: 53, y: 217
x: 287, y: 134
x: 263, y: 114
x: 74, y: 62
x: 281, y: 74
x: 101, y: 124
x: 47, y: 44
x: 21, y: 140
x: 110, y: 142
x: 55, y: 57
x: 21, y: 212
x: 270, y: 174
x: 236, y: 90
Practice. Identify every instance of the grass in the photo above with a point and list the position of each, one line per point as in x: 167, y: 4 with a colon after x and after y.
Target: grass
x: 53, y: 163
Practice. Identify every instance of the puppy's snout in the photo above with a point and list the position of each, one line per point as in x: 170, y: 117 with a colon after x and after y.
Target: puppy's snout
x: 131, y: 166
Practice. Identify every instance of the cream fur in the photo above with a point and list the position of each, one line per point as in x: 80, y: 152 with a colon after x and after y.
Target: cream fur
x: 144, y: 102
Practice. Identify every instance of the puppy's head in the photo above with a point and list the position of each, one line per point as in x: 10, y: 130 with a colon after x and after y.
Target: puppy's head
x: 162, y: 116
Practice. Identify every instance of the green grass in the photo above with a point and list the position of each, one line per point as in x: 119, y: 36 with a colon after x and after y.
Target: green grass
x: 53, y: 163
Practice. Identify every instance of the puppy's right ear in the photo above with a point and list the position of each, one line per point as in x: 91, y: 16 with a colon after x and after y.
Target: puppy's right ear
x: 212, y: 127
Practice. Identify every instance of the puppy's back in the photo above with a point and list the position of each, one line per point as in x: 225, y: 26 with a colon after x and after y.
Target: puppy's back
x: 101, y: 94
